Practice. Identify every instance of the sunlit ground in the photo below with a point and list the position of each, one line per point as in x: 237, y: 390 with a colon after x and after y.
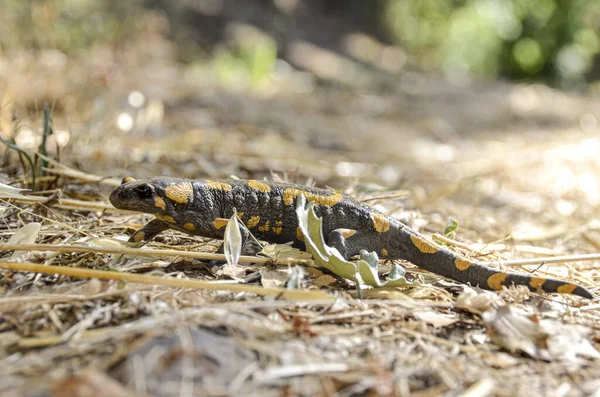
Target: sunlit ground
x: 515, y: 165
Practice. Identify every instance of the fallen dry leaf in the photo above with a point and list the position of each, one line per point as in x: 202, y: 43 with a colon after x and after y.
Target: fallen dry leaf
x: 273, y: 278
x: 436, y: 319
x: 516, y: 331
x: 281, y: 252
x: 478, y: 302
x: 25, y: 235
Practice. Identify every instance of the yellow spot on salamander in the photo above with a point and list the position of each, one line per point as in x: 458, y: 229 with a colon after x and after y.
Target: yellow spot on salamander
x: 566, y: 289
x: 220, y: 223
x: 159, y: 202
x: 346, y: 233
x: 423, y: 245
x: 260, y: 186
x: 299, y: 234
x: 380, y: 222
x: 253, y: 221
x: 217, y: 185
x: 180, y: 193
x: 462, y: 264
x: 189, y: 226
x: 495, y: 281
x: 240, y: 215
x: 265, y: 227
x: 384, y: 252
x: 278, y: 228
x: 139, y: 236
x: 128, y: 179
x: 166, y: 218
x: 536, y: 282
x: 290, y: 194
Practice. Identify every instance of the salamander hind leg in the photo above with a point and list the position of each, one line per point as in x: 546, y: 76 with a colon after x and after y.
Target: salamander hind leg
x: 350, y: 242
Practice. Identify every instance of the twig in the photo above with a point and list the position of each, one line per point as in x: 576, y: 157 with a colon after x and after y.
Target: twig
x: 169, y: 282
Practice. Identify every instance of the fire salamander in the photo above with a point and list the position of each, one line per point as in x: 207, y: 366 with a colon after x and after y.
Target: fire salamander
x: 202, y: 207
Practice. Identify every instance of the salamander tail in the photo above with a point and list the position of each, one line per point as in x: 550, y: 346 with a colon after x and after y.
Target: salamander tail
x: 436, y: 259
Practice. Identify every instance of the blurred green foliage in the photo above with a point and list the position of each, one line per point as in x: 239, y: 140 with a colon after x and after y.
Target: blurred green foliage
x: 556, y: 41
x: 248, y: 60
x: 67, y: 25
x: 551, y: 40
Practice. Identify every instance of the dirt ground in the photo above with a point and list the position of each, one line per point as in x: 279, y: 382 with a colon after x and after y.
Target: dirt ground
x: 516, y: 166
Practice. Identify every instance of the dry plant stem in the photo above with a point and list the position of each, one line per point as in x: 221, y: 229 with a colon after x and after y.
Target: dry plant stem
x: 255, y: 259
x: 169, y: 282
x: 441, y: 341
x: 70, y: 204
x: 547, y: 260
x: 447, y: 240
x: 483, y: 387
x: 66, y: 225
x: 143, y: 252
x: 528, y: 261
x: 386, y: 197
x: 63, y: 170
x: 464, y: 246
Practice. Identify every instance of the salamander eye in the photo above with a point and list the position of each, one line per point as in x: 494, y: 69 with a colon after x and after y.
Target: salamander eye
x: 144, y: 192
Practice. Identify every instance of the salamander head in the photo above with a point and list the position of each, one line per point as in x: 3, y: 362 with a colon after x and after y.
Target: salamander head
x: 152, y: 196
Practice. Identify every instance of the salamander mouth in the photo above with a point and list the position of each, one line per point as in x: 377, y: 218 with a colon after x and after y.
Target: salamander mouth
x: 124, y: 197
x: 118, y: 198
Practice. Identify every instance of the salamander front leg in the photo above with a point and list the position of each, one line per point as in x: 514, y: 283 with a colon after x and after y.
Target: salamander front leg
x: 149, y: 231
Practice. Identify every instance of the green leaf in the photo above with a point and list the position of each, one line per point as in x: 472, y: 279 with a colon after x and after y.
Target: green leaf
x: 450, y: 228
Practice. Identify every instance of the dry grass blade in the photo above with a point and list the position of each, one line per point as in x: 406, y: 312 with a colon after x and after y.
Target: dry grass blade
x: 137, y: 251
x: 483, y: 387
x: 70, y: 204
x: 63, y: 224
x: 546, y: 260
x: 273, y: 374
x: 169, y: 282
x: 7, y: 191
x: 528, y: 261
x: 387, y: 196
x: 63, y: 170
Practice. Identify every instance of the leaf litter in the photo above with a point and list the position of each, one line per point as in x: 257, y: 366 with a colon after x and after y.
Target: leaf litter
x: 425, y: 337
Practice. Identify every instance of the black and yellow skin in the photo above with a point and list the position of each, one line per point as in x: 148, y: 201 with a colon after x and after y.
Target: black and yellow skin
x: 202, y: 207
